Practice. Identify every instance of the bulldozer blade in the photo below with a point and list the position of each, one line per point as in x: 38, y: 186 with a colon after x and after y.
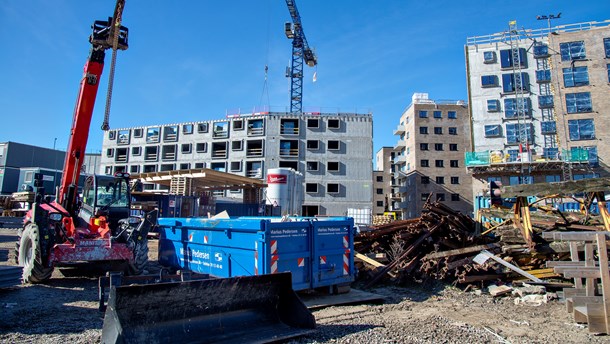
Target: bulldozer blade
x: 251, y: 309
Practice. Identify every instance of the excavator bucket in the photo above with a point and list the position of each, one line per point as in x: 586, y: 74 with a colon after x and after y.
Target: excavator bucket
x: 251, y: 309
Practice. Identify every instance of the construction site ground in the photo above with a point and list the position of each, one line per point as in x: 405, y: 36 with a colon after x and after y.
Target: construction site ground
x: 65, y: 309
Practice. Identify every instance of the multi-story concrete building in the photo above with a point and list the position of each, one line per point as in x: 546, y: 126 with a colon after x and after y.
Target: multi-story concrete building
x: 332, y: 151
x: 383, y: 180
x: 429, y: 156
x: 539, y: 103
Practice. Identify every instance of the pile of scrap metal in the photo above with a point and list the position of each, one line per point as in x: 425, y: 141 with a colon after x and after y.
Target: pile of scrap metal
x: 444, y: 244
x: 433, y: 245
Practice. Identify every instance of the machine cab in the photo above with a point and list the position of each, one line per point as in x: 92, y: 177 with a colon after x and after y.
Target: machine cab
x: 106, y: 196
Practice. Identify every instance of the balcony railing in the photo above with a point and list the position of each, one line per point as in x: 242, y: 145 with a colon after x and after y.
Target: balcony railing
x: 399, y: 130
x: 488, y: 158
x: 219, y: 153
x: 254, y: 152
x: 400, y: 144
x: 289, y: 131
x: 289, y: 152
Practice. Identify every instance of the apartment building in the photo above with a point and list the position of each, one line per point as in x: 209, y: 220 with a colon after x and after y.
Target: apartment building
x: 333, y: 151
x: 433, y: 136
x: 383, y: 180
x: 538, y: 103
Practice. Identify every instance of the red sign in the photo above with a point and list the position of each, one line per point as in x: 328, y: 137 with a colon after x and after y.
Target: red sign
x: 277, y: 179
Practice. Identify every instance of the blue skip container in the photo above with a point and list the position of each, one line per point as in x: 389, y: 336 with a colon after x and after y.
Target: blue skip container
x: 318, y: 253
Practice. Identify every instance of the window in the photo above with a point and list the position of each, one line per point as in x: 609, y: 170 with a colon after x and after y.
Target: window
x: 439, y: 163
x: 110, y: 152
x: 423, y: 146
x: 136, y: 151
x: 219, y: 149
x: 168, y: 152
x: 202, y: 128
x: 333, y: 166
x: 453, y: 147
x: 379, y: 179
x: 518, y: 132
x: 455, y: 197
x: 425, y: 179
x: 235, y: 166
x: 578, y: 102
x: 256, y: 127
x: 455, y: 180
x: 108, y: 170
x: 489, y: 57
x: 510, y: 81
x: 607, y: 46
x: 438, y: 130
x: 186, y: 148
x: 311, y: 187
x: 543, y: 76
x: 134, y: 169
x: 238, y: 124
x: 333, y: 144
x: 440, y: 180
x: 489, y: 80
x: 516, y: 180
x: 112, y: 135
x: 220, y: 130
x: 545, y: 102
x: 334, y: 124
x: 451, y: 114
x: 608, y: 69
x: 167, y: 167
x: 452, y: 130
x: 151, y: 153
x: 552, y: 178
x: 438, y: 114
x: 379, y: 191
x: 312, y: 166
x: 137, y: 132
x: 575, y: 76
x: 150, y: 168
x: 170, y: 133
x: 551, y: 153
x: 454, y: 163
x: 423, y: 114
x: 199, y: 165
x: 380, y: 203
x: 493, y: 105
x: 313, y: 144
x: 424, y: 196
x: 201, y: 147
x: 237, y: 145
x: 540, y: 50
x: 124, y: 137
x: 423, y: 130
x: 219, y: 166
x: 581, y: 129
x: 152, y: 135
x: 572, y: 51
x: 512, y: 107
x: 507, y: 58
x: 438, y: 146
x: 185, y: 166
x: 187, y: 129
x: 440, y: 197
x: 313, y: 123
x: 424, y: 163
x: 548, y: 127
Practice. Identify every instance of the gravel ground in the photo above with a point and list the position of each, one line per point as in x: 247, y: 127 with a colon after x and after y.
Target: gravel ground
x: 65, y: 310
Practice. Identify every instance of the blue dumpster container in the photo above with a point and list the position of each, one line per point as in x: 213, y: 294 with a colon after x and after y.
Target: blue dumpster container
x: 318, y: 253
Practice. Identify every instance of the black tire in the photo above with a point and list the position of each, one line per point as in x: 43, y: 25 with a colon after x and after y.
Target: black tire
x: 18, y: 244
x: 140, y: 258
x: 30, y: 256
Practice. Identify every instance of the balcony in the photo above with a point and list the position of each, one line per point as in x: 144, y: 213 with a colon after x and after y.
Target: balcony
x: 403, y: 189
x: 400, y: 205
x: 399, y: 130
x: 400, y: 144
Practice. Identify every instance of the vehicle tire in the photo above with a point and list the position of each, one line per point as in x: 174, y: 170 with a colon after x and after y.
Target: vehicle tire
x: 17, y: 245
x: 140, y: 258
x: 30, y: 256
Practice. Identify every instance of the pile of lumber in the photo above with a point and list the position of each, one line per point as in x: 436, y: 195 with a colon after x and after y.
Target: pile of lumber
x: 379, y: 220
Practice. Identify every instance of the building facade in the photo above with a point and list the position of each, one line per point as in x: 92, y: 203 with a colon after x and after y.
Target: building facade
x: 383, y: 180
x: 538, y: 103
x: 332, y: 151
x: 433, y: 137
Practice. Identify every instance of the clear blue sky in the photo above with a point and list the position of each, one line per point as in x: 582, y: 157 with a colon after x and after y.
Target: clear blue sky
x: 193, y: 60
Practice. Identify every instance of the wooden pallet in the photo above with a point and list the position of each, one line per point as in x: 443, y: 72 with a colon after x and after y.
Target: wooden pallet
x: 588, y: 302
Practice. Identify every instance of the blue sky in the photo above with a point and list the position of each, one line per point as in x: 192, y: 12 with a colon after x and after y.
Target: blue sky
x: 194, y: 60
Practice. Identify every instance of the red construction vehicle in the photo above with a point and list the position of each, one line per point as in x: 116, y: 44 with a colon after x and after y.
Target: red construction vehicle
x: 98, y: 226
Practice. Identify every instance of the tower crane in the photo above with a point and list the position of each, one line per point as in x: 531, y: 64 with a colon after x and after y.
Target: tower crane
x: 300, y: 52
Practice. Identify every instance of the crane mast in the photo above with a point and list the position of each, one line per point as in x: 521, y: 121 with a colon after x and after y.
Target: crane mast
x: 106, y: 35
x: 300, y: 52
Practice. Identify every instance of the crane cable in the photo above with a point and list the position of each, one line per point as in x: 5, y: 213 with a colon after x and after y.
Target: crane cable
x: 115, y: 44
x: 265, y: 84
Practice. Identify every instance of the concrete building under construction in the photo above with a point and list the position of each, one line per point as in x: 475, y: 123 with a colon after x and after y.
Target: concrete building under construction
x: 333, y: 151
